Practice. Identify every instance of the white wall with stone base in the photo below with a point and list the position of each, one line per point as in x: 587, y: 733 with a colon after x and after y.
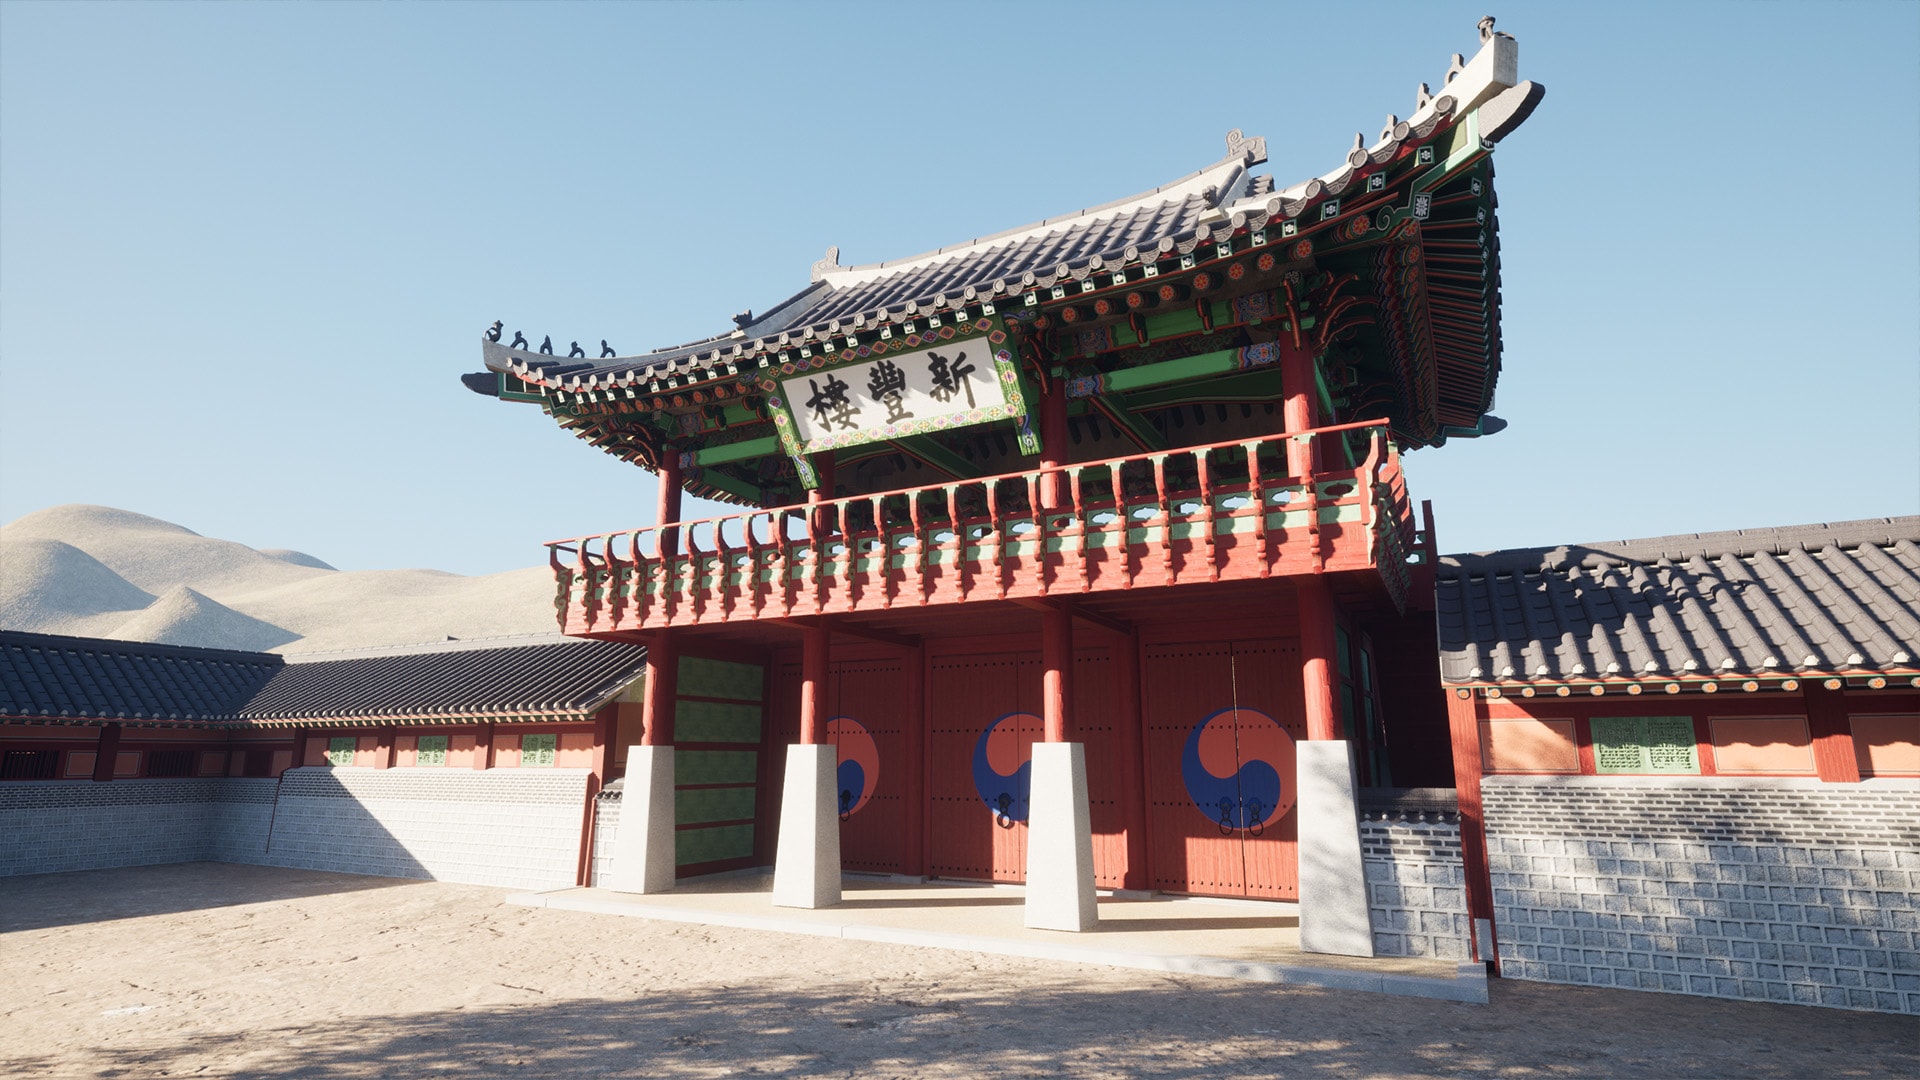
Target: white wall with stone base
x: 517, y: 828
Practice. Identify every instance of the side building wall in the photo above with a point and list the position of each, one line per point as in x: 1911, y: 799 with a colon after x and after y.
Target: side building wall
x: 515, y: 828
x: 1767, y: 889
x: 62, y: 825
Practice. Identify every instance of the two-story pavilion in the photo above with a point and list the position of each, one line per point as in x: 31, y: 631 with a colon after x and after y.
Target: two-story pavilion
x: 1080, y: 553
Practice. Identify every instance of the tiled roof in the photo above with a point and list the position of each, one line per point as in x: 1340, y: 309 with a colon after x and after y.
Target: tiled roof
x: 559, y: 675
x: 1842, y: 597
x: 47, y: 677
x: 1175, y: 218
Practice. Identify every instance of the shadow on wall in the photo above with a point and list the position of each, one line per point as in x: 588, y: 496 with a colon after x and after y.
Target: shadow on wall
x: 40, y: 901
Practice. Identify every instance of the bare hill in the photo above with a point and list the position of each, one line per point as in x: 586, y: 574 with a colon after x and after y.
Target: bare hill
x: 56, y: 588
x: 96, y: 571
x: 184, y: 617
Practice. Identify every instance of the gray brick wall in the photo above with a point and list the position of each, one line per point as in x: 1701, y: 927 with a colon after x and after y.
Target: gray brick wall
x: 1784, y: 890
x: 516, y: 828
x: 53, y: 826
x: 1416, y: 883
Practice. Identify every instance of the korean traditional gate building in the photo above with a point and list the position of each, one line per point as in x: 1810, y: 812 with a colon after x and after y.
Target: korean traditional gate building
x: 1080, y: 554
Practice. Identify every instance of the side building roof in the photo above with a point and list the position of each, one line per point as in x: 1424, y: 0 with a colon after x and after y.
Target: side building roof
x: 55, y: 679
x: 1826, y: 599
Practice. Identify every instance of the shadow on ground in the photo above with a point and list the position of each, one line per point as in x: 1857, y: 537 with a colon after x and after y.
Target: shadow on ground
x: 39, y: 901
x: 1202, y: 1029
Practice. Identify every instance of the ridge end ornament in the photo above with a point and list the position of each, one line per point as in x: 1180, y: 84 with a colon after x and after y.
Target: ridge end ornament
x: 493, y: 332
x: 1239, y: 146
x: 1488, y: 33
x: 827, y: 264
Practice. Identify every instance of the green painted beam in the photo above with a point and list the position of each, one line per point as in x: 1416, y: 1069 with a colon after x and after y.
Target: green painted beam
x: 1172, y: 371
x: 744, y: 450
x: 1250, y: 386
x: 733, y: 485
x: 1119, y: 409
x: 924, y: 448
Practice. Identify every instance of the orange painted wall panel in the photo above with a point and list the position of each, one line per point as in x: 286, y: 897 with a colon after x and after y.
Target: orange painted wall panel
x: 80, y: 762
x: 126, y: 763
x: 1770, y: 745
x: 460, y: 751
x: 1529, y: 745
x: 212, y: 762
x: 316, y: 751
x: 406, y: 751
x: 366, y: 752
x: 1887, y: 744
x: 575, y: 750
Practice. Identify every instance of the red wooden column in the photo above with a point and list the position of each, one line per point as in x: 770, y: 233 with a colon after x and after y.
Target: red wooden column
x: 1056, y: 680
x: 606, y: 729
x: 1463, y: 721
x: 1832, y: 731
x: 108, y: 749
x: 1317, y: 644
x: 662, y: 690
x: 1299, y: 410
x: 813, y: 684
x: 820, y: 523
x: 483, y: 747
x: 385, y: 755
x: 663, y: 652
x: 1054, y: 489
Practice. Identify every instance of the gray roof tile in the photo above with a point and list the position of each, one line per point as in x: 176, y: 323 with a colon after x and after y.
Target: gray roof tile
x: 1824, y: 598
x: 43, y: 676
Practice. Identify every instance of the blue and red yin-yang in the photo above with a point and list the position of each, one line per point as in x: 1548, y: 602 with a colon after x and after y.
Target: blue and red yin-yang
x: 1239, y: 768
x: 1003, y: 765
x: 859, y: 763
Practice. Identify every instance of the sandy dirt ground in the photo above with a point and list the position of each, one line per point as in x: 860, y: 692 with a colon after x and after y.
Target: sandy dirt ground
x: 208, y: 969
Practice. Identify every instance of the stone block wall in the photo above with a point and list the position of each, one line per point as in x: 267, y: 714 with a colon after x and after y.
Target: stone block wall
x: 606, y: 822
x: 517, y: 828
x: 62, y: 825
x: 1761, y: 889
x: 1416, y: 883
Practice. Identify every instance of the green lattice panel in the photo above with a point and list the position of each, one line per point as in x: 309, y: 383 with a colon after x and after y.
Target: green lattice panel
x: 702, y: 805
x: 720, y: 678
x: 1644, y: 744
x: 715, y: 721
x: 715, y: 767
x: 713, y: 844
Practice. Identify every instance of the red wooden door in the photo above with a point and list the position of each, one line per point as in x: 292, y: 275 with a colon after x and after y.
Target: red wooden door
x: 982, y: 726
x: 1221, y: 719
x: 866, y: 724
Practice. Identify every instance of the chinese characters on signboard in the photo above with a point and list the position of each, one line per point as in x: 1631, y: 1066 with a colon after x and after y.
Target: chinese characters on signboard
x: 948, y: 385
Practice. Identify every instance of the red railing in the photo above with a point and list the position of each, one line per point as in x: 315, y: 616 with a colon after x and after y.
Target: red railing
x: 1224, y: 511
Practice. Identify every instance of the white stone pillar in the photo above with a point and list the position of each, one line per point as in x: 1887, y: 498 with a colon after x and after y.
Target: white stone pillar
x: 643, y: 851
x: 1334, y: 916
x: 1060, y: 892
x: 806, y: 864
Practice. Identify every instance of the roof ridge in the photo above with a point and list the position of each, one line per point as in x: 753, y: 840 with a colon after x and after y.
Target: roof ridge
x: 1679, y: 547
x: 1242, y: 156
x: 28, y: 638
x: 479, y: 644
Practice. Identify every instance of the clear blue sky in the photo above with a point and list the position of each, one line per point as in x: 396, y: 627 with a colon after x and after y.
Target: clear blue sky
x: 247, y: 250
